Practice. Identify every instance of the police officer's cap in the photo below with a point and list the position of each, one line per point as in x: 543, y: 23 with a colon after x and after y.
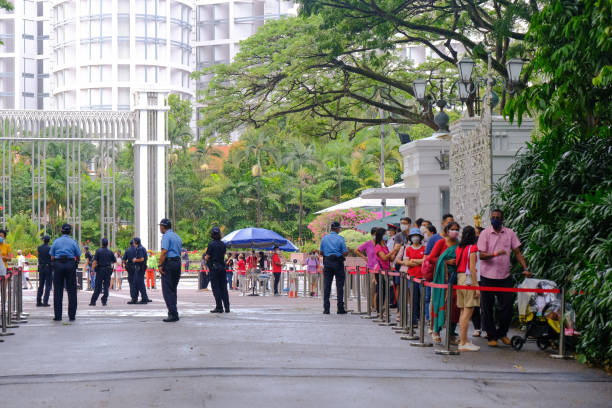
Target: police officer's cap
x: 165, y: 223
x: 104, y: 242
x: 137, y: 240
x: 335, y: 225
x: 66, y: 229
x: 131, y: 242
x: 46, y: 238
x: 216, y: 230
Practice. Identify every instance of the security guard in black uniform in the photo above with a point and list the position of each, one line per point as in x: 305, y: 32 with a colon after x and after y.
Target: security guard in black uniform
x: 215, y: 260
x: 103, y: 261
x: 128, y: 256
x: 45, y: 273
x: 140, y: 267
x: 65, y: 255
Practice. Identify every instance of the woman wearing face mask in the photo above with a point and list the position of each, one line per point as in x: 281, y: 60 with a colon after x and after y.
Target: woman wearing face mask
x: 383, y: 256
x: 413, y: 259
x: 444, y: 256
x: 466, y: 257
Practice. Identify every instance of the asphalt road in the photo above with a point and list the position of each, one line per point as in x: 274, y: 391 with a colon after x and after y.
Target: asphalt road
x: 268, y: 352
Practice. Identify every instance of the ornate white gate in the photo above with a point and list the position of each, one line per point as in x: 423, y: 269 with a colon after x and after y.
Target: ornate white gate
x: 145, y: 127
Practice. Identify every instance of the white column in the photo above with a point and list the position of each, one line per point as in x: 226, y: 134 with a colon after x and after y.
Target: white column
x: 150, y: 178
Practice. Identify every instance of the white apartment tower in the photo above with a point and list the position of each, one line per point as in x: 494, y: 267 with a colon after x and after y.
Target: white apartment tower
x: 104, y: 49
x: 92, y: 54
x: 24, y: 67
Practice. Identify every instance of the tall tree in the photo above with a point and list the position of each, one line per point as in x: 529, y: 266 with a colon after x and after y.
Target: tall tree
x: 298, y: 159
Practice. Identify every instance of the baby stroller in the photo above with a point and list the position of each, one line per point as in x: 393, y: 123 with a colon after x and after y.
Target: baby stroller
x: 540, y: 314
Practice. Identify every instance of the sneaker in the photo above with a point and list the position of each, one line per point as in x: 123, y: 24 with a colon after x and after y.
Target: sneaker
x: 469, y: 347
x: 492, y: 343
x: 505, y: 340
x: 476, y: 333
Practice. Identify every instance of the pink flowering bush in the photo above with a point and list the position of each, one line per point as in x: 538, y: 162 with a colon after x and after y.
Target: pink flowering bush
x: 347, y: 218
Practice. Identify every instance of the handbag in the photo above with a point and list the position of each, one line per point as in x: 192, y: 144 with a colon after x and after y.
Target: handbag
x: 428, y: 269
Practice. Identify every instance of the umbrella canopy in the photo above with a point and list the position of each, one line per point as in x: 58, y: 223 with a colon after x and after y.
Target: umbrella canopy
x: 288, y: 247
x: 389, y: 219
x: 253, y: 238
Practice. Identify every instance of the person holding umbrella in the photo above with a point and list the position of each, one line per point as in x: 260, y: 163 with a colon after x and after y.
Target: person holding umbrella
x: 215, y: 260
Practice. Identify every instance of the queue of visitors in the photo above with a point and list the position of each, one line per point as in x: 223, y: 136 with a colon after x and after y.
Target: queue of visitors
x: 465, y: 256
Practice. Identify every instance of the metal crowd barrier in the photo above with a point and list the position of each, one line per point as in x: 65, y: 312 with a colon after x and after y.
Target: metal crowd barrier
x: 405, y: 311
x: 11, y: 299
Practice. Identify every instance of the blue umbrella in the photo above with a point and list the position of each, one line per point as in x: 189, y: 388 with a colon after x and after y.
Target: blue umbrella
x: 253, y: 238
x: 288, y: 247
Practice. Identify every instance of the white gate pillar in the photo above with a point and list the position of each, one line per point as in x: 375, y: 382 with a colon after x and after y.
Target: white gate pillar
x: 150, y: 165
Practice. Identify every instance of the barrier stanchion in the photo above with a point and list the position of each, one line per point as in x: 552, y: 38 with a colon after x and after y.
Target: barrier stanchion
x: 421, y: 342
x: 379, y: 312
x: 20, y: 314
x: 449, y: 303
x: 401, y: 305
x: 3, y: 282
x: 562, y: 354
x: 347, y: 288
x: 358, y: 276
x: 9, y: 310
x: 410, y: 312
x: 387, y: 315
x: 368, y: 295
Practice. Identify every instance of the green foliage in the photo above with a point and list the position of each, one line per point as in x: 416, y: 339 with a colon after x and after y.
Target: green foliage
x: 353, y: 239
x: 558, y: 194
x: 23, y: 234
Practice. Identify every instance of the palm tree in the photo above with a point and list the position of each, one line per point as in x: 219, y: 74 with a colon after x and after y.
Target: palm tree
x: 298, y: 159
x: 257, y: 143
x: 336, y: 152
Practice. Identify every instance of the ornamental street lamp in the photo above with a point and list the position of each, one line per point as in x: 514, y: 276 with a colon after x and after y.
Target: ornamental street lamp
x: 441, y: 119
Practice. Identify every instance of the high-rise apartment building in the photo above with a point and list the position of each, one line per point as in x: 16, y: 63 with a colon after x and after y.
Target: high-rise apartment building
x: 24, y: 66
x: 104, y: 49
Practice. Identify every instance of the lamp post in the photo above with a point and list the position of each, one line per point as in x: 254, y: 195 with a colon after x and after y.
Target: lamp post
x: 427, y: 101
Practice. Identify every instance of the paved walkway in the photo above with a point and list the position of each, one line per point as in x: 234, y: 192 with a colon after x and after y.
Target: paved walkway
x: 269, y: 352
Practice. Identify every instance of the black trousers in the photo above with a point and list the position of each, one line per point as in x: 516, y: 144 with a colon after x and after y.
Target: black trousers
x: 170, y: 280
x: 45, y: 279
x: 131, y: 271
x: 218, y: 281
x: 103, y: 278
x: 139, y: 280
x: 331, y: 270
x: 277, y: 276
x: 496, y: 322
x: 64, y: 274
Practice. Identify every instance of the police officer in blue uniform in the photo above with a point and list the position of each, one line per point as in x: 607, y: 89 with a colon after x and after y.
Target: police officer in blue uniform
x: 65, y: 255
x: 215, y: 260
x: 140, y: 267
x: 128, y: 257
x: 170, y: 267
x: 102, y: 266
x: 45, y: 273
x: 333, y: 248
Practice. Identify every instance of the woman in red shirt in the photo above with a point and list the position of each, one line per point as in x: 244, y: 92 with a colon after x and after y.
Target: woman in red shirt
x: 413, y: 259
x: 467, y: 300
x: 241, y: 271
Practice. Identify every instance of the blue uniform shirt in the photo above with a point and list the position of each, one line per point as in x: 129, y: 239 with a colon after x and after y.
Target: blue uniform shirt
x: 333, y: 244
x: 65, y: 246
x: 172, y: 243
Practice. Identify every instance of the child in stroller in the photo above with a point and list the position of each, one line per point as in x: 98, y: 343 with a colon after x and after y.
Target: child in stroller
x: 541, y: 315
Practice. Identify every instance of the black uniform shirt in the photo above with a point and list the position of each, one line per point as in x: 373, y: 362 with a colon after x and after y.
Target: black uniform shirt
x: 104, y: 257
x: 44, y: 258
x: 216, y: 251
x: 128, y: 255
x: 141, y: 252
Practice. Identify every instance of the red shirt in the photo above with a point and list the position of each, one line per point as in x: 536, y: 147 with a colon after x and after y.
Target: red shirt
x: 252, y: 261
x: 276, y: 260
x: 461, y: 254
x: 414, y: 254
x: 437, y: 250
x: 384, y: 265
x: 241, y: 268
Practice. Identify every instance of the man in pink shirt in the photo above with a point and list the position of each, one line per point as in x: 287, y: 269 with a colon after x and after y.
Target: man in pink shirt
x: 495, y: 244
